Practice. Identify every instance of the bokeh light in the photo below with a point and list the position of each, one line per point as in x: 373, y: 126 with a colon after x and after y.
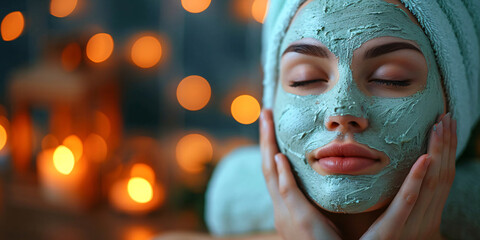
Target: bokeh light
x: 74, y: 143
x: 95, y: 148
x: 146, y: 52
x: 140, y: 190
x: 242, y: 9
x: 193, y: 152
x: 71, y: 56
x: 259, y: 10
x: 100, y: 47
x: 193, y: 92
x: 62, y: 8
x: 102, y: 124
x: 195, y: 6
x: 63, y: 160
x: 3, y: 137
x: 144, y: 171
x: 139, y: 232
x: 245, y: 109
x: 12, y: 26
x: 49, y: 141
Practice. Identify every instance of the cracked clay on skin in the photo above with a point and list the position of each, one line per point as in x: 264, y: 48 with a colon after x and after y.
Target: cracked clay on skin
x: 397, y: 126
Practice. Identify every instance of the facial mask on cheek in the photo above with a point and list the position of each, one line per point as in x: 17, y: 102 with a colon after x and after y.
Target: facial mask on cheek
x: 397, y: 126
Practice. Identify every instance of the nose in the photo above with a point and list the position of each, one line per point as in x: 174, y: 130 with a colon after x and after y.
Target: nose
x: 346, y: 123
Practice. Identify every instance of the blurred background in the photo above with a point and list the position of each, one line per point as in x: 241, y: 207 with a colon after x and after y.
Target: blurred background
x: 114, y: 113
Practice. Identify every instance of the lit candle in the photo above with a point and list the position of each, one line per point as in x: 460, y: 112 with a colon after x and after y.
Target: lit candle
x: 138, y: 193
x: 64, y: 178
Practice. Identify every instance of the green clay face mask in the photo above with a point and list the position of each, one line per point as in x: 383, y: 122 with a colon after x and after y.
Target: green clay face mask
x: 396, y: 126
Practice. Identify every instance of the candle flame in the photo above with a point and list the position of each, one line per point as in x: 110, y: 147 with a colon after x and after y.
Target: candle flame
x: 63, y: 160
x: 140, y: 190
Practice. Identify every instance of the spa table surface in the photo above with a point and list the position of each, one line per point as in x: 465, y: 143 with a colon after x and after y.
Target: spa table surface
x: 25, y: 215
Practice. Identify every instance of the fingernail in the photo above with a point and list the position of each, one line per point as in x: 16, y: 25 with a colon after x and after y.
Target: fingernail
x: 262, y: 119
x: 440, y: 128
x: 445, y: 116
x: 427, y: 161
x: 277, y: 159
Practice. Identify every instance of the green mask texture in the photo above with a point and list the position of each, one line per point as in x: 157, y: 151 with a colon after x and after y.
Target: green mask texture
x: 397, y: 126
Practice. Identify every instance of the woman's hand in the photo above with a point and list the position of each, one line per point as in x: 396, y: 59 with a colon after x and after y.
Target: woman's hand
x: 295, y: 216
x: 416, y: 210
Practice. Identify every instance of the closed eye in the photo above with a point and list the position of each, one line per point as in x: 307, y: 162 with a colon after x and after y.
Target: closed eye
x: 304, y: 83
x: 392, y: 83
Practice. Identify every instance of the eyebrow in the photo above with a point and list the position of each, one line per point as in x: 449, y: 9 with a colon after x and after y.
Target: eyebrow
x: 388, y: 48
x: 307, y: 49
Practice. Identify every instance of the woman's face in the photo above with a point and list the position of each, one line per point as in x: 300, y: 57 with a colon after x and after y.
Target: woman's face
x: 359, y: 90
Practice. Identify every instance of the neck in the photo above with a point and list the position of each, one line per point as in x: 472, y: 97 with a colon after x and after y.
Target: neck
x: 353, y: 226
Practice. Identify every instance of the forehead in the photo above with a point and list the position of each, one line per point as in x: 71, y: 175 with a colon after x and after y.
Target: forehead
x: 344, y: 25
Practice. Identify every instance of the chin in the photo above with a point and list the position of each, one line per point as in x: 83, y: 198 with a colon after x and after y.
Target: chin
x: 351, y: 194
x: 379, y: 205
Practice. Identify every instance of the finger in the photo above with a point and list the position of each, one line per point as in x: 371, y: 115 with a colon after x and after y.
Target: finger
x: 431, y: 181
x: 453, y: 150
x: 446, y: 149
x: 399, y: 210
x: 427, y: 189
x: 268, y: 143
x: 291, y: 194
x: 446, y: 172
x: 268, y: 150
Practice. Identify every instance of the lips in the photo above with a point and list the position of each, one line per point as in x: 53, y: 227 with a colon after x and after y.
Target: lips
x: 350, y: 158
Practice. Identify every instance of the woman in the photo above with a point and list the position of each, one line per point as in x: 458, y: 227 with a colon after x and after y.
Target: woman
x: 358, y: 91
x: 361, y: 100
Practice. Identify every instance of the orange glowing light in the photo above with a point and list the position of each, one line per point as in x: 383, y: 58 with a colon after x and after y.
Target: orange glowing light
x: 122, y: 199
x: 140, y: 190
x: 12, y: 26
x: 62, y: 8
x: 146, y: 51
x: 195, y: 6
x: 139, y: 233
x: 95, y: 148
x: 3, y: 137
x: 71, y: 56
x: 63, y: 160
x: 102, y: 124
x: 259, y: 10
x: 49, y: 141
x: 144, y: 171
x: 193, y: 92
x: 193, y: 151
x: 245, y: 109
x: 99, y: 47
x: 74, y: 143
x: 242, y: 9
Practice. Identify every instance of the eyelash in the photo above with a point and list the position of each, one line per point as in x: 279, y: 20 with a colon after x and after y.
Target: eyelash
x: 389, y: 83
x: 392, y: 83
x: 304, y: 83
